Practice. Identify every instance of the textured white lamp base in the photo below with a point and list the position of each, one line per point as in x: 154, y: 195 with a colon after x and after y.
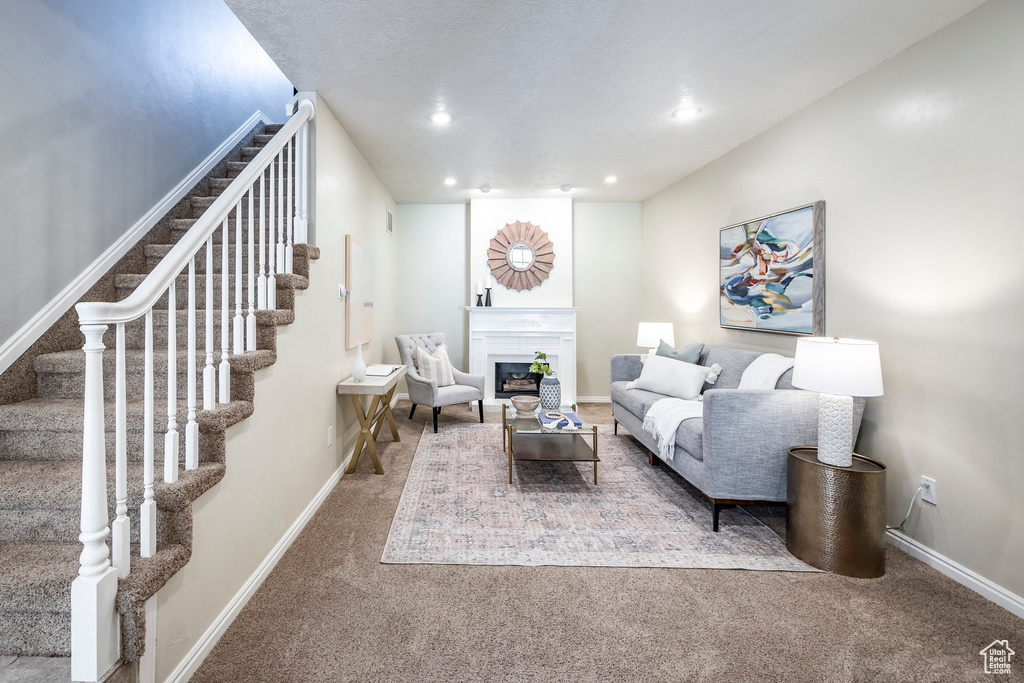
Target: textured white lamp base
x: 835, y: 430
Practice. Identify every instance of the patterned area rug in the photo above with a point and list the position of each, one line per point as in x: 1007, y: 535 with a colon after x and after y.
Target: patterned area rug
x: 458, y: 508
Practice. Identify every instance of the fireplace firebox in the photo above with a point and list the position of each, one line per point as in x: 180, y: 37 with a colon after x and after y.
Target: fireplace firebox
x: 515, y: 379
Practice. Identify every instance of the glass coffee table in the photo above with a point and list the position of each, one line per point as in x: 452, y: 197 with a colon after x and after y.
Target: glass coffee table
x: 524, y: 437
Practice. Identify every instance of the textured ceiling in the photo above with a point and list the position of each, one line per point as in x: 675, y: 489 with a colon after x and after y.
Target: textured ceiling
x: 546, y: 93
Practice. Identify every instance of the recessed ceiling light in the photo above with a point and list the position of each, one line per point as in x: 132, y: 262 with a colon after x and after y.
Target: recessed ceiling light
x: 441, y: 118
x: 611, y: 179
x: 485, y: 188
x: 449, y: 181
x: 686, y: 113
x: 566, y: 187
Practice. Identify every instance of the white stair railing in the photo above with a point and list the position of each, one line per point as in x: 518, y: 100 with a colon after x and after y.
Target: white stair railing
x: 95, y: 637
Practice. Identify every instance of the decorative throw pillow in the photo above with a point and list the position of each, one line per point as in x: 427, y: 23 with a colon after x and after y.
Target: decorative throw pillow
x: 434, y: 366
x: 674, y: 378
x: 688, y: 353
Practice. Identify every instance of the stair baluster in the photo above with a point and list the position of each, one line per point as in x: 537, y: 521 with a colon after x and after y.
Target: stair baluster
x: 147, y: 512
x: 301, y: 228
x: 225, y: 368
x: 171, y: 438
x: 238, y: 323
x: 191, y: 426
x: 209, y: 374
x: 261, y: 281
x: 121, y: 529
x: 271, y: 248
x: 288, y: 250
x: 250, y: 318
x: 282, y: 267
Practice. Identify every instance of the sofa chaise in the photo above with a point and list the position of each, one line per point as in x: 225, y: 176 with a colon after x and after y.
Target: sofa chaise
x: 737, y: 452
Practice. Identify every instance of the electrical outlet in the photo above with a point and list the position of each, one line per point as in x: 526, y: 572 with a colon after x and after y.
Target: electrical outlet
x: 929, y: 490
x: 330, y: 436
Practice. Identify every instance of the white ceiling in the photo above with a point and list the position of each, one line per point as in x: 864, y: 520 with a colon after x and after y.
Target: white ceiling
x: 546, y: 93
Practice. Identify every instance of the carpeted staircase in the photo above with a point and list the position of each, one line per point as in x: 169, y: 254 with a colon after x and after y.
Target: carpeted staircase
x: 41, y: 436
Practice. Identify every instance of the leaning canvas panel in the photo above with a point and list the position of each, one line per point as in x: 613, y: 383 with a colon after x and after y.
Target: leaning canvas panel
x: 772, y: 272
x: 359, y: 297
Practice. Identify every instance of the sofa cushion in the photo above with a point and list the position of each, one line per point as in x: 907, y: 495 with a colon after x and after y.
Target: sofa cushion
x: 690, y: 436
x: 636, y: 401
x: 688, y: 353
x: 733, y: 362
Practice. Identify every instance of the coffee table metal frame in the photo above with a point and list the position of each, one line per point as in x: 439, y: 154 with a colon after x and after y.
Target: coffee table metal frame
x: 525, y: 438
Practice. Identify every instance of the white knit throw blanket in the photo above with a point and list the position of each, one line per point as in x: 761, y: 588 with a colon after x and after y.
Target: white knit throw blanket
x: 664, y: 418
x: 764, y: 372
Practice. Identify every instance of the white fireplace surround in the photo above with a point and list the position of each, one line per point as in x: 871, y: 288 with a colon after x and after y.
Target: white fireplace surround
x: 514, y: 335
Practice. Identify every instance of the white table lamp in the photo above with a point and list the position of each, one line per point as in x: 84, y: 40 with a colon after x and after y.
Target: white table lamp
x: 838, y: 369
x: 649, y: 335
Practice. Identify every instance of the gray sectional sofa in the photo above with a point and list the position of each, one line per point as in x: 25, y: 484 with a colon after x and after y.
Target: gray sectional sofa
x: 737, y: 452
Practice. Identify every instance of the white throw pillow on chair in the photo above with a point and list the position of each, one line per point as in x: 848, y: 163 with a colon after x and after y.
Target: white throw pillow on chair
x: 434, y: 366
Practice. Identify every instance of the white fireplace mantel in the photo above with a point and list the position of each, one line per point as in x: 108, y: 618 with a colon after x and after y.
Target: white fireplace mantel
x: 505, y: 334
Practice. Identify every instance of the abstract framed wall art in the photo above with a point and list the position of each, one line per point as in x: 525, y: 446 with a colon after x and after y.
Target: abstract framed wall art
x: 772, y: 272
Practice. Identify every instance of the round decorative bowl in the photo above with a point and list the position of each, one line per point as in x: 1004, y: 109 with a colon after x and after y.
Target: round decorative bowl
x: 525, y: 404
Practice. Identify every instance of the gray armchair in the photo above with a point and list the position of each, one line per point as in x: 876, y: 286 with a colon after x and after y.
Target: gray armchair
x: 467, y: 388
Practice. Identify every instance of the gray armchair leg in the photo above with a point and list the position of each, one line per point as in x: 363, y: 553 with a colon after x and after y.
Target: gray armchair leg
x: 412, y: 411
x: 480, y: 404
x: 615, y: 421
x: 436, y: 411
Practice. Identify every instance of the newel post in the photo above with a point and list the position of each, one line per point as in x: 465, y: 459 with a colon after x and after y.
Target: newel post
x: 95, y: 640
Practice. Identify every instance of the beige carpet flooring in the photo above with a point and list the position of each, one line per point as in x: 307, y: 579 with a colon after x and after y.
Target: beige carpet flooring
x: 330, y: 611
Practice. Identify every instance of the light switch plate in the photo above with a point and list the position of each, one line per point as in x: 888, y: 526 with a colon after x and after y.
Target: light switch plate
x: 929, y: 491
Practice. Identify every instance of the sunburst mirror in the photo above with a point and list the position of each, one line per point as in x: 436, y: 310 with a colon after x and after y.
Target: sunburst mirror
x: 520, y: 256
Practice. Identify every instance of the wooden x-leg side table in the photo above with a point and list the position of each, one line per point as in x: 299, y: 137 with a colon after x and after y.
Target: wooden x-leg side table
x: 382, y: 389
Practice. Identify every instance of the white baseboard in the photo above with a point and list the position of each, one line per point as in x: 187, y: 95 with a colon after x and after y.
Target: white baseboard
x: 19, y: 342
x: 190, y: 664
x: 959, y: 573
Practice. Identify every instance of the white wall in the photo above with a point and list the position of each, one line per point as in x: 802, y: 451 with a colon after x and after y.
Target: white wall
x: 104, y: 108
x: 606, y: 287
x: 602, y: 254
x: 433, y: 288
x: 921, y: 164
x: 278, y: 459
x: 554, y: 216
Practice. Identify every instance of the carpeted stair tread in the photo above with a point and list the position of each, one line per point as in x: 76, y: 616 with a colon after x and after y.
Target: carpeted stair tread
x: 135, y: 331
x: 67, y: 414
x: 58, y: 484
x: 74, y: 361
x: 37, y: 576
x: 127, y: 283
x: 35, y: 633
x: 156, y: 252
x: 62, y: 374
x: 236, y: 167
x: 130, y: 281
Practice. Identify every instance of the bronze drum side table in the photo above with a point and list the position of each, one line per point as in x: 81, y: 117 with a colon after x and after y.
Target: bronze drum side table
x: 836, y: 519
